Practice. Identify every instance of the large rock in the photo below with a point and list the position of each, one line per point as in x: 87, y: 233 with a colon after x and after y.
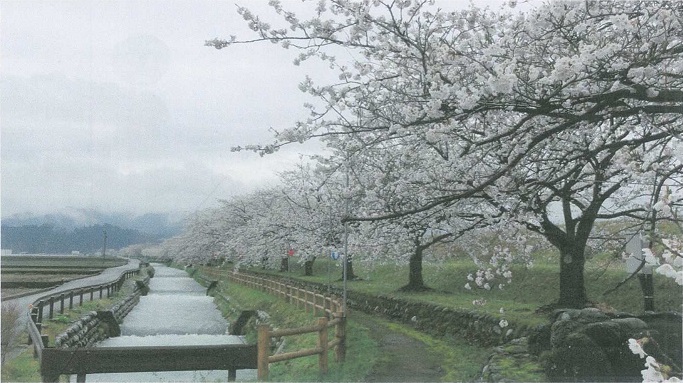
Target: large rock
x: 589, y: 345
x: 578, y: 358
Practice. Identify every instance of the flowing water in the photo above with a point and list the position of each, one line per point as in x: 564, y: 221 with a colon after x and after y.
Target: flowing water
x: 176, y: 312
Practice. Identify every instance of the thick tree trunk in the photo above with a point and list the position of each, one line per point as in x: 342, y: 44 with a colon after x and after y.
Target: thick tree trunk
x: 415, y: 280
x: 349, y: 270
x: 572, y: 283
x: 284, y: 264
x: 308, y: 267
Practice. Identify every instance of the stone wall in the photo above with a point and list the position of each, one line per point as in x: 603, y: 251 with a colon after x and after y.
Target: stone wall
x: 477, y: 327
x: 576, y: 345
x: 591, y: 345
x: 96, y: 326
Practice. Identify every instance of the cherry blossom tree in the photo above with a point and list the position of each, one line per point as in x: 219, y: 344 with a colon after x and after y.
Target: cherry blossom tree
x: 555, y: 119
x: 313, y: 194
x: 379, y: 177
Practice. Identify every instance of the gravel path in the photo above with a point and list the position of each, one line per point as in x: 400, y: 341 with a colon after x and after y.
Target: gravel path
x: 404, y: 359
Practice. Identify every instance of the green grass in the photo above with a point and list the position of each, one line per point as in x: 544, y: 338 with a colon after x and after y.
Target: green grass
x: 361, y: 354
x: 24, y: 368
x: 522, y: 371
x: 461, y: 361
x: 529, y: 290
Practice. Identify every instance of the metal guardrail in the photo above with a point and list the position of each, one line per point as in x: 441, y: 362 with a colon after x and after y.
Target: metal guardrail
x: 36, y: 313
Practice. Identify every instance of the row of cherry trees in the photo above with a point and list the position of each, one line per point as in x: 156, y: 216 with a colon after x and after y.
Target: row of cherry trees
x: 453, y: 122
x: 305, y: 213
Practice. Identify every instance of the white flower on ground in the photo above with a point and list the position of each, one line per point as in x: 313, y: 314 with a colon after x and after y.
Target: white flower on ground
x: 503, y: 323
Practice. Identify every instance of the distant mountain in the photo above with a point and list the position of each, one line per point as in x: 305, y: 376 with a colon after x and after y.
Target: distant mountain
x: 157, y: 225
x: 51, y: 239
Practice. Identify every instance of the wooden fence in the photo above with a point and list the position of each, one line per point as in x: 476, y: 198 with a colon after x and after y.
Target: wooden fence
x: 56, y: 361
x: 330, y: 307
x: 89, y: 360
x: 82, y: 361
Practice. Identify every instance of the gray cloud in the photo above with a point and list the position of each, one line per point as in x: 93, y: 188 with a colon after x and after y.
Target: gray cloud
x: 119, y: 106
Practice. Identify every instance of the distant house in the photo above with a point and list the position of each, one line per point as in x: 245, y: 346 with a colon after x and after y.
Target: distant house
x: 6, y: 252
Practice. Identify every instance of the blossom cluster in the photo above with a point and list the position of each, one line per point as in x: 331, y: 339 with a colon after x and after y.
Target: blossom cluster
x: 654, y: 371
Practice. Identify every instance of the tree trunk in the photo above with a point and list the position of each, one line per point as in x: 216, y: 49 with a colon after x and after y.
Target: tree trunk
x: 308, y: 267
x: 415, y: 280
x: 284, y: 264
x: 349, y: 270
x: 572, y: 283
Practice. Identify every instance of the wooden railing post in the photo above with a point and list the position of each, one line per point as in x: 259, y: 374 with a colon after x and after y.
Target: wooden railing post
x: 263, y: 351
x: 322, y: 344
x: 71, y: 300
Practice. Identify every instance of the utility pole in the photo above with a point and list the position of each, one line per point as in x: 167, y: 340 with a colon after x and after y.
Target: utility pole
x: 104, y: 248
x: 347, y: 198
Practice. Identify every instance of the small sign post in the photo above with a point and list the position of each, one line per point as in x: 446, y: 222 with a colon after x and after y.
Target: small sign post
x: 636, y: 260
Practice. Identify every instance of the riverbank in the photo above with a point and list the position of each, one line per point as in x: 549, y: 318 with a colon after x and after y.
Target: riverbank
x: 377, y: 349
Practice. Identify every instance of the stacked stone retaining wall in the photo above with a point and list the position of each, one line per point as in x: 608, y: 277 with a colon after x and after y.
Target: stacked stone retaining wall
x: 477, y: 327
x: 97, y: 326
x: 562, y: 362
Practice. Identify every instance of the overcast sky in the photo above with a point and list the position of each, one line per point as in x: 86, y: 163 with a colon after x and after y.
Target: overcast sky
x: 118, y: 105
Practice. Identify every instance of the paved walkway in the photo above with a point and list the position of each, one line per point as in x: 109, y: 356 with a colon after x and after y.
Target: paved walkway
x: 108, y: 275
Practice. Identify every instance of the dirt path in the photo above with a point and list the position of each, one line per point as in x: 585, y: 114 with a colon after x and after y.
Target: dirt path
x: 404, y: 359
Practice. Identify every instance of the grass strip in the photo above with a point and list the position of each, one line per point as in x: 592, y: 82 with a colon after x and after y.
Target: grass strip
x: 362, y: 351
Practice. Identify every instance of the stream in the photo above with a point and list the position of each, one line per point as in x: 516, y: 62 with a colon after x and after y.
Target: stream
x: 176, y: 312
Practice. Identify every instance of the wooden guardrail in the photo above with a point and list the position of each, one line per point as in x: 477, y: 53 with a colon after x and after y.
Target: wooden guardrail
x: 56, y: 361
x: 83, y: 361
x: 329, y: 306
x: 265, y: 334
x: 309, y: 300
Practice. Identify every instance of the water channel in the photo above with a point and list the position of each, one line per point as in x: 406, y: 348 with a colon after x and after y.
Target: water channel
x: 176, y: 312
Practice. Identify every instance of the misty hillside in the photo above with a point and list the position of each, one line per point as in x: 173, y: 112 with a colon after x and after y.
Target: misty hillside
x: 157, y: 225
x: 49, y: 239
